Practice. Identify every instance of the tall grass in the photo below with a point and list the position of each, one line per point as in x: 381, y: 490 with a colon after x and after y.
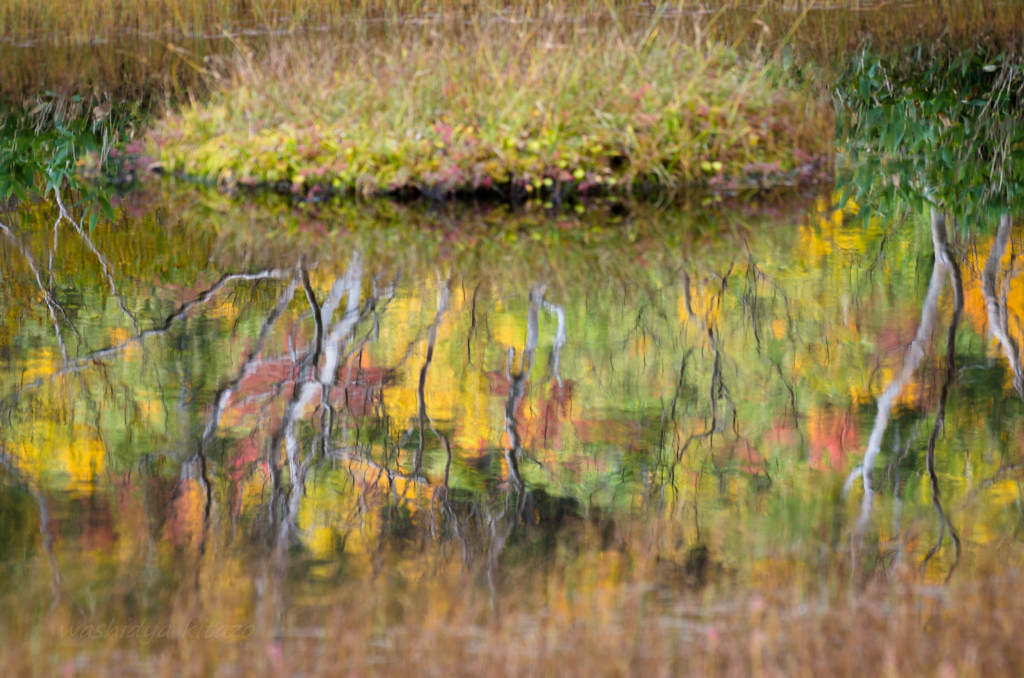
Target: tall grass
x: 85, y: 21
x: 122, y: 47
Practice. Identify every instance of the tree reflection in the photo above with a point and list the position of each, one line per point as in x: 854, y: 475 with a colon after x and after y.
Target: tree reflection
x: 278, y: 414
x: 996, y: 302
x: 945, y: 265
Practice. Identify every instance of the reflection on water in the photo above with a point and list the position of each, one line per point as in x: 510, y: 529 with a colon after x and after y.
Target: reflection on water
x: 195, y: 428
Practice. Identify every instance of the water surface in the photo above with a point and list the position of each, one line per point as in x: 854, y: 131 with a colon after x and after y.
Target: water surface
x: 407, y: 412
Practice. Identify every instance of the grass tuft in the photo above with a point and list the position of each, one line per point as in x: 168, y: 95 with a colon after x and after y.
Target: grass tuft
x: 537, y: 110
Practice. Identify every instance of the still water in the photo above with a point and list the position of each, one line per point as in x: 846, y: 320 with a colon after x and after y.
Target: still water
x: 285, y: 431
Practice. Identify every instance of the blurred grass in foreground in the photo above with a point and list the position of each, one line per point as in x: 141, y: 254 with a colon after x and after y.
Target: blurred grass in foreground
x: 620, y: 611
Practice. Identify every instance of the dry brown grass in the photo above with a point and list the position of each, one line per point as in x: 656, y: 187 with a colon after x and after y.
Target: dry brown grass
x: 127, y: 47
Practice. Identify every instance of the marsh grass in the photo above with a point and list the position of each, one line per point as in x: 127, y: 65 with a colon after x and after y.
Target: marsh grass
x: 91, y: 21
x: 777, y: 55
x: 531, y: 109
x: 128, y: 47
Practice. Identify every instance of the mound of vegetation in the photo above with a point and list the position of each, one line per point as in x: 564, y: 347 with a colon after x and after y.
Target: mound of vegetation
x: 516, y: 108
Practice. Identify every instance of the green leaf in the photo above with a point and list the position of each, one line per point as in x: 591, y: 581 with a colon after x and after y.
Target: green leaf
x: 108, y: 209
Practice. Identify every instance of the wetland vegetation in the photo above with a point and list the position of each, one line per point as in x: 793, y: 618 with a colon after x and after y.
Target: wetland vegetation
x: 547, y: 339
